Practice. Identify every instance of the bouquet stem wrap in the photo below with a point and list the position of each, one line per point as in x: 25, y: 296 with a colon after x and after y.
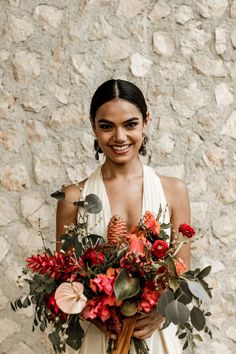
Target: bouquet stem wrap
x: 124, y: 340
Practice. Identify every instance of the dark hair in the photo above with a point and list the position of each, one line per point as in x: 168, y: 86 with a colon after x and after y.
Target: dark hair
x: 112, y: 89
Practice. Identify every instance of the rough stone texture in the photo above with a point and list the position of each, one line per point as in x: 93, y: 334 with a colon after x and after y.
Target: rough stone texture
x: 6, y: 103
x: 208, y: 66
x: 14, y: 178
x: 20, y: 348
x: 221, y: 40
x: 229, y: 128
x: 48, y: 17
x: 130, y: 9
x: 212, y: 8
x: 233, y: 10
x: 20, y: 28
x: 46, y: 169
x: 184, y: 14
x: 8, y: 328
x: 163, y: 44
x: 53, y: 55
x: 224, y: 95
x: 160, y: 10
x: 139, y: 65
x: 26, y: 66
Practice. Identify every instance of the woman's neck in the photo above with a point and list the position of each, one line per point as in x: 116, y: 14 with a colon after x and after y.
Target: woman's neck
x: 111, y: 170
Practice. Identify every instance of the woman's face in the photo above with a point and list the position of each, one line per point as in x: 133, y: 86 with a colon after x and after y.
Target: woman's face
x: 119, y: 128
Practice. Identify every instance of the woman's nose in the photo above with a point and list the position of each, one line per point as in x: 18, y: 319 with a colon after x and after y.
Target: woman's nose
x: 119, y: 135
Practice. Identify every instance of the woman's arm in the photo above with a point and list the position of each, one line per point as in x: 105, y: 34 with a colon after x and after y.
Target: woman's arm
x: 66, y: 211
x: 180, y: 214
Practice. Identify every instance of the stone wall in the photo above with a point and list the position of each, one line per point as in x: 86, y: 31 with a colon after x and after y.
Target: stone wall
x: 53, y: 55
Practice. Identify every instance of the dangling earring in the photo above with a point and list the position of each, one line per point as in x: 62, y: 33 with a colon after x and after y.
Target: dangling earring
x: 97, y: 149
x: 143, y: 148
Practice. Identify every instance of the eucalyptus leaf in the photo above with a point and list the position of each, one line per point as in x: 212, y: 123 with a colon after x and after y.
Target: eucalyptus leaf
x: 182, y: 335
x: 165, y: 226
x: 177, y: 312
x: 206, y: 287
x: 185, y: 346
x: 42, y: 326
x: 183, y: 294
x: 58, y: 195
x: 19, y: 303
x: 197, y: 318
x: 94, y: 203
x: 166, y: 297
x: 125, y: 286
x: 12, y: 306
x: 26, y: 303
x: 197, y: 290
x: 54, y: 338
x: 40, y: 289
x: 159, y: 212
x: 163, y: 235
x: 204, y: 272
x: 75, y: 333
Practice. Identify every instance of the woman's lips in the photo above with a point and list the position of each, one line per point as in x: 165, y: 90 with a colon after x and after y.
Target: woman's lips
x: 120, y: 149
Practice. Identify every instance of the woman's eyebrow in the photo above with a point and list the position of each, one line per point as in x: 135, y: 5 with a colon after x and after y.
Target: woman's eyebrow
x: 104, y: 120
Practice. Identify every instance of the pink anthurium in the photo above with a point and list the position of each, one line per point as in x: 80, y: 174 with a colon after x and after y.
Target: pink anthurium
x: 70, y: 297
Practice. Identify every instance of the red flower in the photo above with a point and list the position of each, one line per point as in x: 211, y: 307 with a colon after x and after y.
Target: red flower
x: 58, y: 265
x: 93, y: 257
x: 151, y: 223
x: 51, y: 304
x: 186, y: 230
x: 100, y: 306
x: 159, y: 249
x: 149, y: 298
x: 102, y: 283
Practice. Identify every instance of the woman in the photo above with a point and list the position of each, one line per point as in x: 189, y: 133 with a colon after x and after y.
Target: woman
x: 119, y: 119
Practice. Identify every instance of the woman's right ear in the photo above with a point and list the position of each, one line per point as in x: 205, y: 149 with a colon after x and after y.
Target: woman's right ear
x: 93, y: 125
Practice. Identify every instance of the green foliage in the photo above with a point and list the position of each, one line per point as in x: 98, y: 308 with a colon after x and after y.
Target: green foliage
x: 126, y: 286
x: 177, y: 312
x: 129, y: 308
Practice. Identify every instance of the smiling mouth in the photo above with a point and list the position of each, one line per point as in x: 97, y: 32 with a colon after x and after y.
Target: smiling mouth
x: 120, y: 148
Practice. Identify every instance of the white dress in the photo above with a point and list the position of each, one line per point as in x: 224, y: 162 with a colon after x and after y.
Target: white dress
x: 161, y: 342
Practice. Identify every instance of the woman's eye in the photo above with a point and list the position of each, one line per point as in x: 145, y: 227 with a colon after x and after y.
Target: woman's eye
x: 131, y: 125
x: 105, y: 126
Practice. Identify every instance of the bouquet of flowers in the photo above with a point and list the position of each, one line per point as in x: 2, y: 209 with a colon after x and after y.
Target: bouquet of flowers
x: 134, y: 272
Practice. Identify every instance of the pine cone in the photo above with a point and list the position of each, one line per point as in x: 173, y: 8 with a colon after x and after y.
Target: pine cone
x: 116, y: 230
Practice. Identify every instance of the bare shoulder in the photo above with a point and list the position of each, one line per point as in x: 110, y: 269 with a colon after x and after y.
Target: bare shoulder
x: 73, y: 191
x: 173, y: 185
x: 175, y: 191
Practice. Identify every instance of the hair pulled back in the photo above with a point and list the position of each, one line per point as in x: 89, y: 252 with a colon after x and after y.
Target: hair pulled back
x: 115, y: 89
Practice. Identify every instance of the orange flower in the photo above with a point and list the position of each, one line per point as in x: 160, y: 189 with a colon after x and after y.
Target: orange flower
x: 180, y: 266
x: 136, y: 245
x: 151, y: 223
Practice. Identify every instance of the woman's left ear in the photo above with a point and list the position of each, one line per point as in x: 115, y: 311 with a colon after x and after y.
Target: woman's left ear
x: 147, y: 120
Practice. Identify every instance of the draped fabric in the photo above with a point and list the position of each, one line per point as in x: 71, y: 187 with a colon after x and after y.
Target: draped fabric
x: 161, y: 342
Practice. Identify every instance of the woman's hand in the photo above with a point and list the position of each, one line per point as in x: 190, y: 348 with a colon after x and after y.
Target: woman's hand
x: 147, y: 323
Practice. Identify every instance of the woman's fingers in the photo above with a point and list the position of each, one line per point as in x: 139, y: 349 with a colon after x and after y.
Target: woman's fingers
x: 146, y: 324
